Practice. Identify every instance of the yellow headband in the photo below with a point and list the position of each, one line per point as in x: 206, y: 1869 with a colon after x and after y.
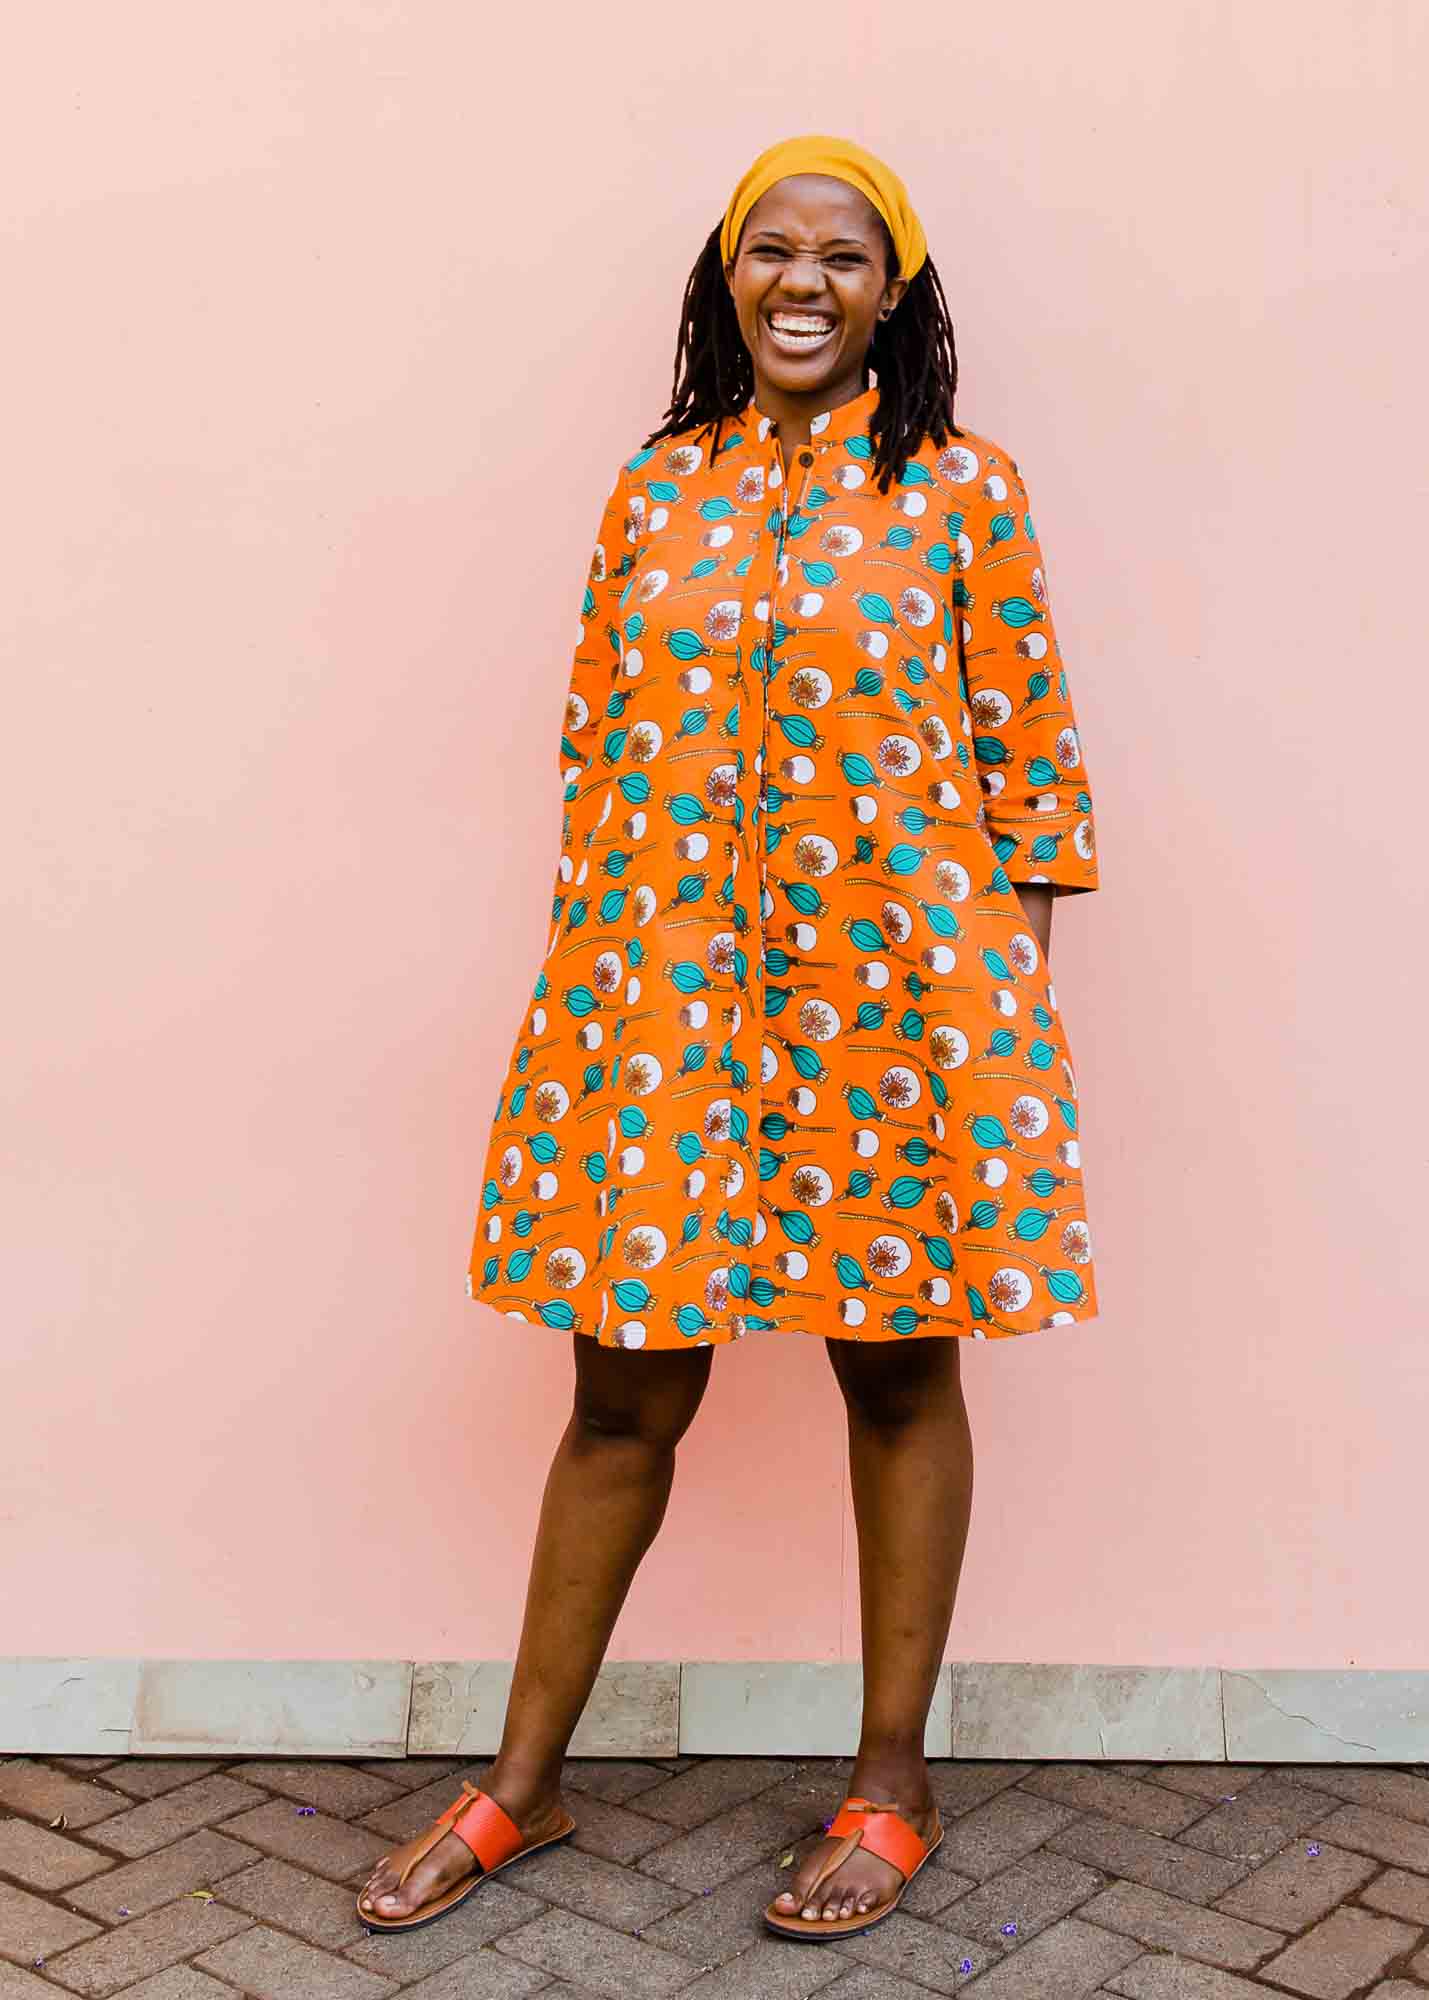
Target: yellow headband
x: 817, y: 153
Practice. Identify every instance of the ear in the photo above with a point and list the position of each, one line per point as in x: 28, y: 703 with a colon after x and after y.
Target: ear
x: 892, y: 293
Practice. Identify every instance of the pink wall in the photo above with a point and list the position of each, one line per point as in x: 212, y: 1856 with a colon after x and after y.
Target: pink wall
x: 282, y: 801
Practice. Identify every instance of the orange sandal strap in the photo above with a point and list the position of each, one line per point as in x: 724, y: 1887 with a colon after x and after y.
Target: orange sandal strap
x: 491, y: 1834
x: 880, y: 1829
x: 475, y: 1818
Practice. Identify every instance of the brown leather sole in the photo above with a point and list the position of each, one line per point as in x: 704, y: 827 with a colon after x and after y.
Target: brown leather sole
x: 811, y: 1929
x: 443, y: 1905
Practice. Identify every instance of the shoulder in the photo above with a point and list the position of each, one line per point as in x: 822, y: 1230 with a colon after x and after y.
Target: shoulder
x: 970, y: 458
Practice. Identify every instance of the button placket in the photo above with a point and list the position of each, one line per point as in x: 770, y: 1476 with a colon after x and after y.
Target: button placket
x: 777, y: 577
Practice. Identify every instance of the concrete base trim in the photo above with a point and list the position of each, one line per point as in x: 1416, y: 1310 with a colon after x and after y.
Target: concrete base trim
x: 661, y: 1708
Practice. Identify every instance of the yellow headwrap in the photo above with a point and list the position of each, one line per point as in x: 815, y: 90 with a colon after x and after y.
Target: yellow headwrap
x: 817, y: 153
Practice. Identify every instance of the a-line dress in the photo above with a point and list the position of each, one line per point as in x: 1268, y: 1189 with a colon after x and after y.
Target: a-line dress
x: 793, y: 1059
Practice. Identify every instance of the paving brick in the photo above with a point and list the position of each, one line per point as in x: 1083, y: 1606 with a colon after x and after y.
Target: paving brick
x: 1295, y: 1888
x: 1392, y: 1989
x: 43, y: 1860
x: 1167, y: 1977
x: 1154, y: 1918
x: 758, y: 1830
x: 610, y: 1966
x: 1403, y: 1793
x: 1151, y: 1807
x: 17, y: 1985
x: 614, y: 1832
x: 1065, y: 1963
x: 1399, y: 1895
x: 150, y: 1777
x: 710, y: 1929
x: 180, y: 1982
x: 1260, y: 1820
x: 958, y: 1786
x: 486, y: 1914
x: 1032, y: 1894
x: 866, y: 1982
x: 1340, y: 1955
x: 713, y: 1787
x: 1212, y: 1782
x: 621, y: 1897
x: 769, y: 1970
x: 1419, y: 1965
x: 158, y: 1821
x: 1141, y: 1857
x: 148, y: 1945
x: 617, y: 1779
x: 411, y: 1773
x: 991, y: 1837
x: 411, y: 1814
x: 196, y: 1862
x: 326, y: 1845
x: 30, y: 1929
x: 336, y: 1787
x: 906, y: 1947
x: 321, y: 1913
x: 485, y: 1976
x: 1384, y: 1835
x: 272, y: 1967
x: 40, y: 1793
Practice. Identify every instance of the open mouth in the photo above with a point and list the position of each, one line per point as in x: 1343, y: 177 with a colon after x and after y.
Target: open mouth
x: 800, y: 333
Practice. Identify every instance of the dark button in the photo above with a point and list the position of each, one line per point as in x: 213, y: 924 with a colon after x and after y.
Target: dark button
x: 806, y: 458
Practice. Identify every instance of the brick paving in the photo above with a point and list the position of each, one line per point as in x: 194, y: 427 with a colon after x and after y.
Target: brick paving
x: 201, y: 1879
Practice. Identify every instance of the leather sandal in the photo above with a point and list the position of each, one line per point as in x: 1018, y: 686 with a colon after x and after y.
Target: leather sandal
x: 495, y: 1841
x: 880, y: 1828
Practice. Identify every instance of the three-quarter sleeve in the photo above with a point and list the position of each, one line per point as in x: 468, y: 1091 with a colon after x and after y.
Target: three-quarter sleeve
x: 1028, y: 750
x: 599, y: 648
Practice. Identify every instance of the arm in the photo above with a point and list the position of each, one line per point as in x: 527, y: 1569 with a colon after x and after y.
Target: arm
x: 1036, y: 795
x: 600, y: 647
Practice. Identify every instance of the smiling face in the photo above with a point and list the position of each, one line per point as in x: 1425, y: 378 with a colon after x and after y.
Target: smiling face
x: 809, y: 282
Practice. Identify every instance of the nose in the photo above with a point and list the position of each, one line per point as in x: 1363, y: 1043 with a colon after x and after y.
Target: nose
x: 803, y: 276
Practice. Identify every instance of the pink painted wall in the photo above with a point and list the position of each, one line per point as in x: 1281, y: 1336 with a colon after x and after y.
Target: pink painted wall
x: 293, y: 288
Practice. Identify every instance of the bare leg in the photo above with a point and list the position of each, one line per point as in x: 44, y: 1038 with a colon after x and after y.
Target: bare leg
x: 605, y: 1498
x: 910, y: 1460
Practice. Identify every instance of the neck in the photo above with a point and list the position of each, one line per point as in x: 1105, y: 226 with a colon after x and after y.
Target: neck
x: 792, y: 411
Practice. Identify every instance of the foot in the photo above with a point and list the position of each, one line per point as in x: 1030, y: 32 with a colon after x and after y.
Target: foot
x: 865, y: 1880
x: 537, y: 1813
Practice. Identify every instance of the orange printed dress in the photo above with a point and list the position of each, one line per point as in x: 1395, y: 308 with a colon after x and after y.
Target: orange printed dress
x: 793, y: 1058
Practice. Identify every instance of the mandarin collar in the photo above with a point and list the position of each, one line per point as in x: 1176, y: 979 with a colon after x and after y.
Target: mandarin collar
x: 850, y: 419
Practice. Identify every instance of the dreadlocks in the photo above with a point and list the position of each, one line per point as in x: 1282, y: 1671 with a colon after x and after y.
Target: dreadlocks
x: 912, y: 352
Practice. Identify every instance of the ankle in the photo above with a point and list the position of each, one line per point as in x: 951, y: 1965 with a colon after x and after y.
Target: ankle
x: 892, y: 1772
x: 521, y: 1789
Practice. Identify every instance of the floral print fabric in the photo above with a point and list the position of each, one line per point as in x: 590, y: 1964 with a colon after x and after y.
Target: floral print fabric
x: 793, y: 1058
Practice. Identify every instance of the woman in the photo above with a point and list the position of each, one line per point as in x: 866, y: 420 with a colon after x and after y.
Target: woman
x: 794, y: 1059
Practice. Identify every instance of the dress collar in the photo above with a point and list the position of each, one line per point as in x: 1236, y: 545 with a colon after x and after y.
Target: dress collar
x: 850, y: 419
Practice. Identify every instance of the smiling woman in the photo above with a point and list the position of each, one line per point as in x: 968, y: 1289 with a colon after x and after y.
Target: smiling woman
x: 793, y: 1058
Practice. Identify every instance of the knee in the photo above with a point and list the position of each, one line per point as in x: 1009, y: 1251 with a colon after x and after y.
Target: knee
x: 892, y: 1387
x: 634, y: 1410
